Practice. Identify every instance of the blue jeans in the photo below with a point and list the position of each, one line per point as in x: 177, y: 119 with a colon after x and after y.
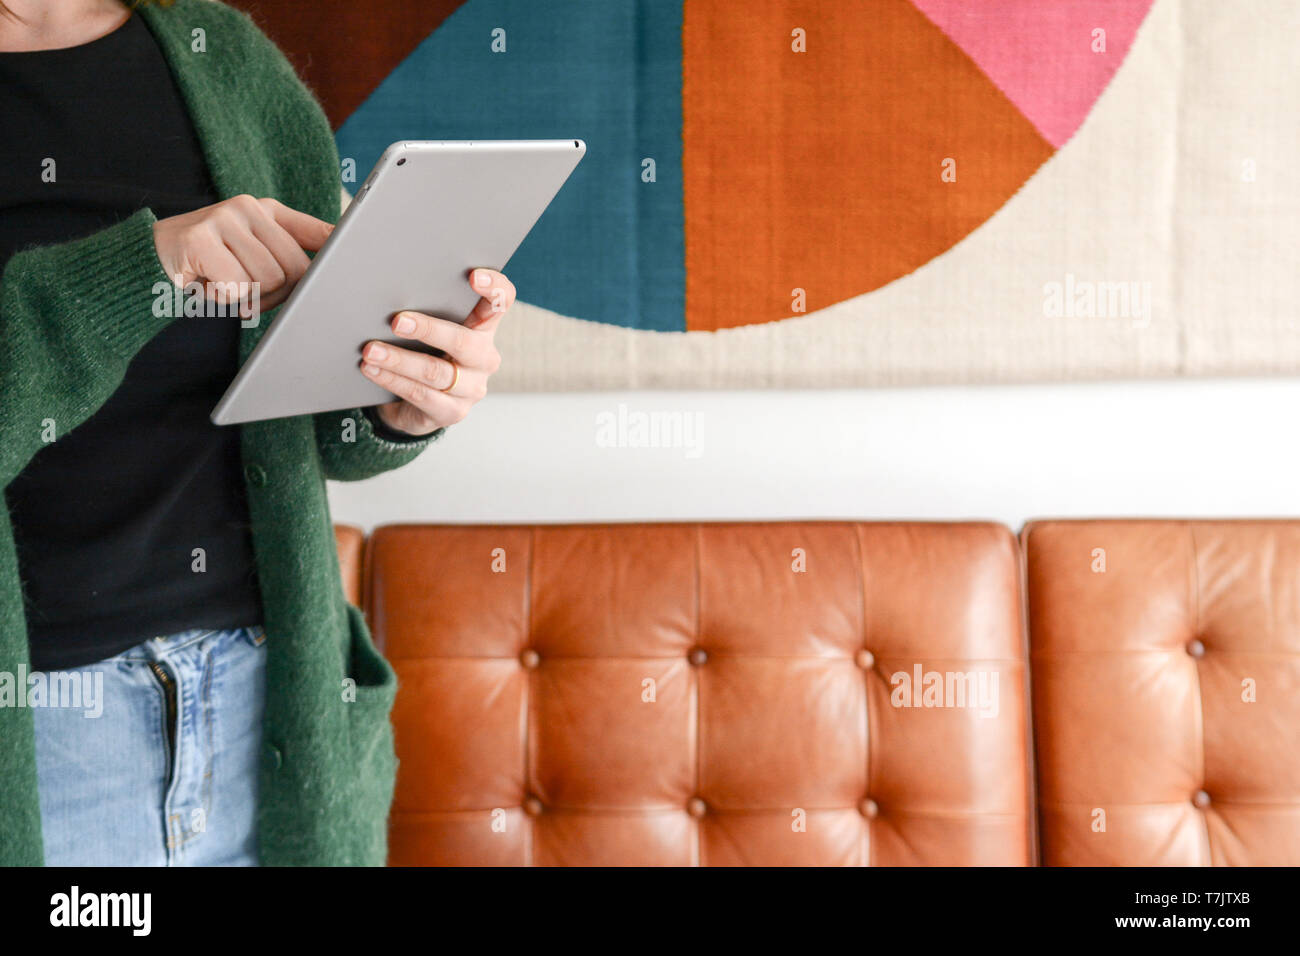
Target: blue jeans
x: 121, y: 784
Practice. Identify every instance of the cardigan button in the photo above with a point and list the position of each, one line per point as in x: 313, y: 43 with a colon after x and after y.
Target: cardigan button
x: 256, y: 475
x: 272, y: 757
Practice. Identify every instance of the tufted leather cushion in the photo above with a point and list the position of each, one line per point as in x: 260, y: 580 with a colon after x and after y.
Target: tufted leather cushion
x: 1142, y: 673
x: 350, y: 541
x: 680, y: 694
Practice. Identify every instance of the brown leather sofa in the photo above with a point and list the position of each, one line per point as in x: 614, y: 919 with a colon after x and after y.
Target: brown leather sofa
x: 1166, y: 670
x: 837, y: 693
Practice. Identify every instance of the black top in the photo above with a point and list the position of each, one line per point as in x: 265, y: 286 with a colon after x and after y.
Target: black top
x: 108, y: 519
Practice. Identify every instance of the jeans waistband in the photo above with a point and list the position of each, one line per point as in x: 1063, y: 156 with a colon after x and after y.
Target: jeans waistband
x: 156, y: 647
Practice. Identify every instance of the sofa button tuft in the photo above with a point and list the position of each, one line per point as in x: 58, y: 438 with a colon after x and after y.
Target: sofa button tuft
x: 532, y: 806
x: 866, y: 660
x: 698, y: 656
x: 868, y: 808
x: 696, y: 807
x: 1196, y: 648
x: 1201, y: 799
x: 529, y: 658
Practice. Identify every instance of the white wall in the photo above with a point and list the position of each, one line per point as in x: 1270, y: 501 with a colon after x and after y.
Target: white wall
x: 1182, y: 448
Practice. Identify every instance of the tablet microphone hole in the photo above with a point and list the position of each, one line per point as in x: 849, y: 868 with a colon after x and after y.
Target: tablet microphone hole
x: 401, y: 161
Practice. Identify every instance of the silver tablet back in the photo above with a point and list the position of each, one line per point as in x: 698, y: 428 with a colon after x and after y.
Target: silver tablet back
x: 428, y: 213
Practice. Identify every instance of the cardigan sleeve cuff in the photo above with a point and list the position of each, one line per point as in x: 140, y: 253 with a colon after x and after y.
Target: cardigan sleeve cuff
x: 113, y: 282
x: 382, y: 431
x: 352, y: 448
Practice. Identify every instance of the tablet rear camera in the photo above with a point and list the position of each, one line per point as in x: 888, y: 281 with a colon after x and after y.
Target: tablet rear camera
x: 401, y: 161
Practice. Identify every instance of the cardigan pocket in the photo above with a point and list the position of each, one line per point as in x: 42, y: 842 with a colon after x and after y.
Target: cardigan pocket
x: 374, y: 763
x: 376, y: 682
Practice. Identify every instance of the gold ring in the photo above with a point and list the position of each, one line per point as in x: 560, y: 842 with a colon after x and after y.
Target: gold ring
x: 455, y: 377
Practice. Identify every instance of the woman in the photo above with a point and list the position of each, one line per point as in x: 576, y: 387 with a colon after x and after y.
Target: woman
x: 181, y: 679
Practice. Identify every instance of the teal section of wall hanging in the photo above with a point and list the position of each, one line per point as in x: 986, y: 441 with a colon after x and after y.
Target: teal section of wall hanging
x: 610, y: 248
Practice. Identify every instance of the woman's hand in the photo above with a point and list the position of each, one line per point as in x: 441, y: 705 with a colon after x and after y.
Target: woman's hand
x: 240, y: 240
x: 434, y: 392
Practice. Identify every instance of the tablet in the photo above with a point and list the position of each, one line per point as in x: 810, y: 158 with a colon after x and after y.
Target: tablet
x: 427, y: 214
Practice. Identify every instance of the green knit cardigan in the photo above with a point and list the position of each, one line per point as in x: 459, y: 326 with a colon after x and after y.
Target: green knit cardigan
x: 73, y: 315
